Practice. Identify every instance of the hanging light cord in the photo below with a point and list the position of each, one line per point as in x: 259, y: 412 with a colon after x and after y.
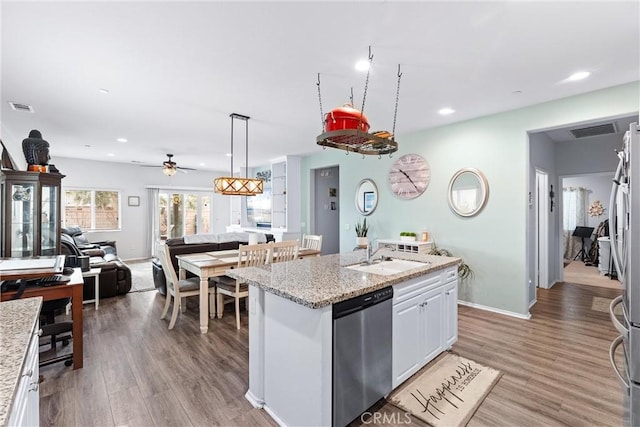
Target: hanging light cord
x: 246, y: 148
x: 231, y: 174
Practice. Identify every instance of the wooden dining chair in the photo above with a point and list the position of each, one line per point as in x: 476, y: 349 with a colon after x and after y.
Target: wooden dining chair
x: 284, y: 251
x: 179, y: 289
x: 248, y: 256
x: 311, y: 241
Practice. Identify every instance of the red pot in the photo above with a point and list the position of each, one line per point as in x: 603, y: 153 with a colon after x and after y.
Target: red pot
x: 345, y: 117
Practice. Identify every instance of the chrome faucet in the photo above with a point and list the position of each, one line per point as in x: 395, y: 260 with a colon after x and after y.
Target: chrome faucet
x: 370, y: 252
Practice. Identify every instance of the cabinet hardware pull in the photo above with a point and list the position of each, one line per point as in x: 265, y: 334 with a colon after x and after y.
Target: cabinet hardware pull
x: 448, y: 292
x: 28, y: 373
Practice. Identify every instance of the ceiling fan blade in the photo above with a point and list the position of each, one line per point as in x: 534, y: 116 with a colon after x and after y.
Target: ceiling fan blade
x: 186, y: 169
x: 151, y: 166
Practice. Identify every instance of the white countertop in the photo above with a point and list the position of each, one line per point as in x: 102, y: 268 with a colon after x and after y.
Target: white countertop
x: 17, y: 321
x: 320, y: 281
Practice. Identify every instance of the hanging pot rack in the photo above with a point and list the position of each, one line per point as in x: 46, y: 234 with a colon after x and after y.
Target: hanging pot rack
x: 356, y: 140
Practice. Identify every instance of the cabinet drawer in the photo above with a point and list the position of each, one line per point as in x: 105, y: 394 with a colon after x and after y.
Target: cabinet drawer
x: 450, y: 274
x: 413, y: 287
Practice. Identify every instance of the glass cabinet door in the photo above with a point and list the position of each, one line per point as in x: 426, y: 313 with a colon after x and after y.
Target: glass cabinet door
x: 22, y: 213
x: 49, y: 220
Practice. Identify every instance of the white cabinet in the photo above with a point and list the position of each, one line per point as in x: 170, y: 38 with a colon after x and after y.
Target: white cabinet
x: 285, y: 199
x: 26, y: 406
x: 285, y: 194
x: 451, y: 313
x: 425, y: 321
x: 406, y: 335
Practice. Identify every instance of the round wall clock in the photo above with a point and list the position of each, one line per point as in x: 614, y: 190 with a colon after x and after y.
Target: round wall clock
x: 409, y: 176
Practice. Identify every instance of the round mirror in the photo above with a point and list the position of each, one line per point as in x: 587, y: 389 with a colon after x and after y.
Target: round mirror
x: 366, y: 196
x: 468, y: 192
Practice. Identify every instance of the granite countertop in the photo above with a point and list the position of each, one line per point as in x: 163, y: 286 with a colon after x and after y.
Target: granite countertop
x: 320, y: 281
x: 17, y: 321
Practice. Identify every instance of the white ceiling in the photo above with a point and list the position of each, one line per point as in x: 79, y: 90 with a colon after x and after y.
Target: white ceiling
x: 176, y: 70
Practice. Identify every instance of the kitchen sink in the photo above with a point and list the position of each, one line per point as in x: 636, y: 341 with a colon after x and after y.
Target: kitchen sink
x: 388, y: 267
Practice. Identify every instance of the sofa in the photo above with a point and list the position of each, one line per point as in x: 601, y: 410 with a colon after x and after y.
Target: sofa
x: 200, y: 243
x: 115, y: 275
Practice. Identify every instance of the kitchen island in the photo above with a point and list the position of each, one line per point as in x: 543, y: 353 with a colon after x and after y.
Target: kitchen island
x: 291, y: 325
x: 19, y: 397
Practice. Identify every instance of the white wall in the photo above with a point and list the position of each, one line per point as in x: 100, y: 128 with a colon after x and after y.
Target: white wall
x: 495, y: 242
x: 133, y: 239
x: 588, y: 155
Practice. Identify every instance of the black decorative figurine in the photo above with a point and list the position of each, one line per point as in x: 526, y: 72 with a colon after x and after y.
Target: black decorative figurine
x: 35, y: 149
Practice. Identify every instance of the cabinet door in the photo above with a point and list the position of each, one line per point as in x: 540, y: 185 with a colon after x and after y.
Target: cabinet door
x: 406, y: 339
x: 431, y: 328
x: 451, y: 313
x: 22, y: 229
x: 49, y: 217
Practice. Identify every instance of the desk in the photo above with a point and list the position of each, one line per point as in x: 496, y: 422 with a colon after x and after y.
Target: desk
x: 71, y: 289
x: 95, y: 273
x: 211, y: 264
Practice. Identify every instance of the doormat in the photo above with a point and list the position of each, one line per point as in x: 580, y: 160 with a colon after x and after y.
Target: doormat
x: 448, y: 393
x: 602, y: 304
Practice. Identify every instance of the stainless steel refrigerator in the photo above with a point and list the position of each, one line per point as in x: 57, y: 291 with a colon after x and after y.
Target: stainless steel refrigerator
x: 624, y: 228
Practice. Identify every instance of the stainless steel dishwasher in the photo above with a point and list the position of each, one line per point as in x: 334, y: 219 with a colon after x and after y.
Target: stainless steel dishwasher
x: 361, y: 354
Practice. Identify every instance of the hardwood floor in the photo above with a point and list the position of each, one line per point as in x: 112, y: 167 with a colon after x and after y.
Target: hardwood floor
x: 137, y: 372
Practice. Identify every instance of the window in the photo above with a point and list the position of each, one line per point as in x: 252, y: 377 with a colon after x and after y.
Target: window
x: 92, y: 209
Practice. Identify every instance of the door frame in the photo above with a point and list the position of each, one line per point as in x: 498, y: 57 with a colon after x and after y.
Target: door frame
x: 541, y: 264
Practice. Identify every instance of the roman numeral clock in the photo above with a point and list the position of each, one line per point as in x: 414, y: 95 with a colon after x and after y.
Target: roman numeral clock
x: 409, y: 176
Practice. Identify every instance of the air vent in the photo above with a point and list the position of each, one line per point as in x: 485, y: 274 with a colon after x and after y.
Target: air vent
x: 21, y: 107
x: 603, y: 129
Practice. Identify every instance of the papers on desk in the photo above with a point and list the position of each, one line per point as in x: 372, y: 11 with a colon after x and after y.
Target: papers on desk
x: 54, y: 264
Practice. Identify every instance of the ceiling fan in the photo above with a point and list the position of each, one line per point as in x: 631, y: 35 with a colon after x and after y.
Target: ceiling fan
x: 169, y: 167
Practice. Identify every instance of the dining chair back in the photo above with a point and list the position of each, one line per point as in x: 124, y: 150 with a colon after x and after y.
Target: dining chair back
x: 248, y: 256
x: 284, y: 251
x: 178, y: 289
x: 311, y: 241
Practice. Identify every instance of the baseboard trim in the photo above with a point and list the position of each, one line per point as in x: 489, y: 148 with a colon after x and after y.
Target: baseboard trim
x: 136, y: 259
x: 274, y: 416
x: 496, y: 310
x: 533, y: 303
x: 255, y: 402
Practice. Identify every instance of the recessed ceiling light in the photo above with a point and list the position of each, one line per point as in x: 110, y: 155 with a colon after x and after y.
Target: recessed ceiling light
x: 228, y: 154
x: 110, y: 154
x: 362, y: 65
x: 122, y: 139
x: 203, y: 164
x: 102, y: 90
x: 446, y: 111
x: 579, y: 76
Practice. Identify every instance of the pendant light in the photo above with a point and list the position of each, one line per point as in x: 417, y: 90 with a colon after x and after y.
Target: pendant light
x: 231, y: 185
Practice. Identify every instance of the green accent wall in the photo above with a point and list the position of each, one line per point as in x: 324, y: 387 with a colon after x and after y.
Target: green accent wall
x: 493, y: 243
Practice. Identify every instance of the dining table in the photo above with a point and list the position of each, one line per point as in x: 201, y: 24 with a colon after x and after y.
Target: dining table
x: 212, y: 264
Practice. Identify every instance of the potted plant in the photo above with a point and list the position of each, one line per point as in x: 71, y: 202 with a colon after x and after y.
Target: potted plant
x: 408, y: 236
x: 361, y: 233
x: 464, y: 271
